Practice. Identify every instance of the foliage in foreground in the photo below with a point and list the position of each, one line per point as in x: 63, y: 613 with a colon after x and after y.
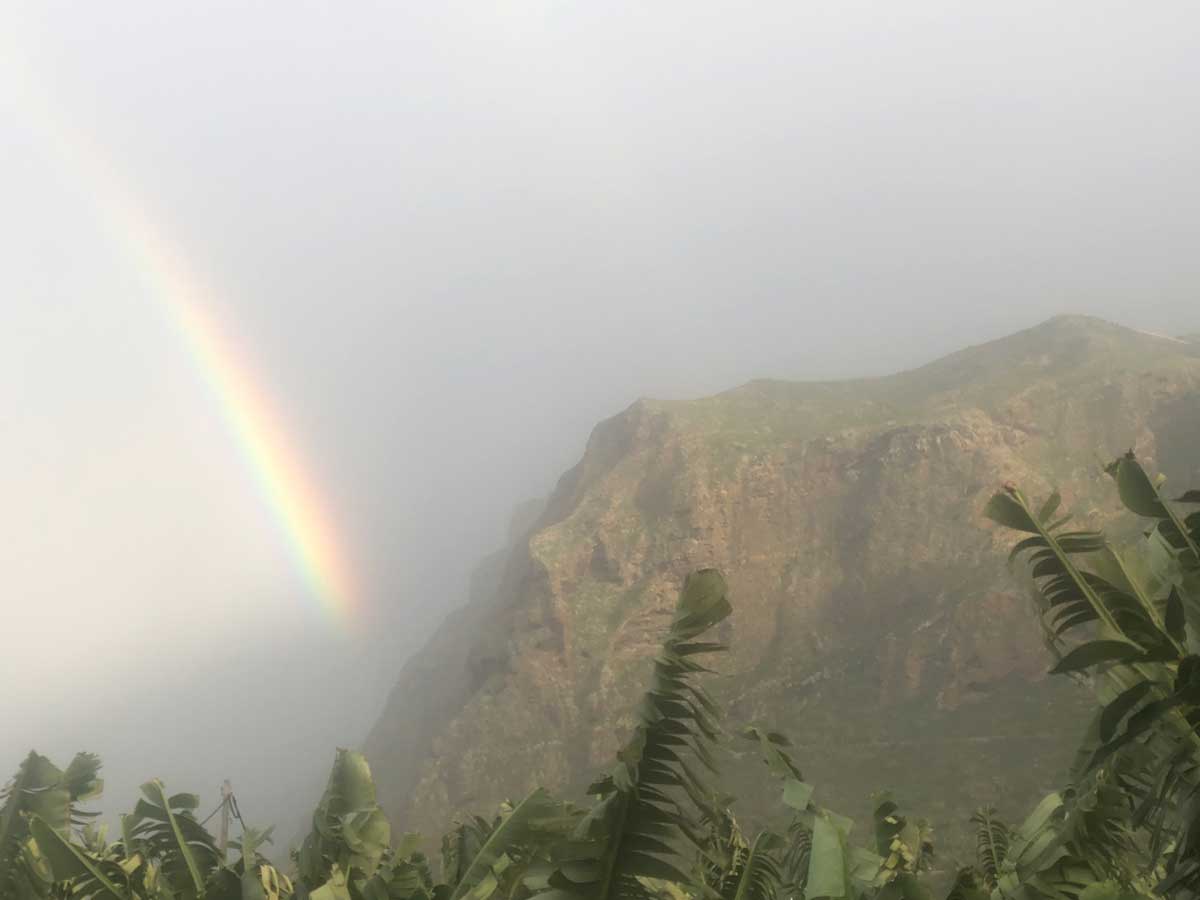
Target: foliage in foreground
x: 1126, y: 621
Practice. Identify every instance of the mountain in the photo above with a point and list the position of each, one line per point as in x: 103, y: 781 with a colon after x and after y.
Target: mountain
x: 875, y: 621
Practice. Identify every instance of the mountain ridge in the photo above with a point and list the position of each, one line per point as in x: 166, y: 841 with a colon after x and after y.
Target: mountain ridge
x: 872, y: 609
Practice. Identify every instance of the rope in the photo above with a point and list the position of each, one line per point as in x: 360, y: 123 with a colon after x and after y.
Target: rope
x: 213, y: 813
x: 231, y: 799
x: 237, y: 812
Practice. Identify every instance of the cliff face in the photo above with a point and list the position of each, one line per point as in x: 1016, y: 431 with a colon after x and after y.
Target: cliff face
x: 874, y: 619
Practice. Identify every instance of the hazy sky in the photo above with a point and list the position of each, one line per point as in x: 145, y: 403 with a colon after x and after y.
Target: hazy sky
x: 448, y: 237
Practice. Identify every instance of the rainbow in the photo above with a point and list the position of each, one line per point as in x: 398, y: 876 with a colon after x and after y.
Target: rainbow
x: 284, y: 480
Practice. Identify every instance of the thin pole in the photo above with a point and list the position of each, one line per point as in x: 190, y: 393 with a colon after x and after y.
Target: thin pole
x: 223, y: 828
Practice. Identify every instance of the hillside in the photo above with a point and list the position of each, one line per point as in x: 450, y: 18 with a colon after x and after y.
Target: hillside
x: 875, y: 620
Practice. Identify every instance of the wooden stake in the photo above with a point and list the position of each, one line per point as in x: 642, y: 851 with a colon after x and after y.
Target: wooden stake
x: 223, y: 828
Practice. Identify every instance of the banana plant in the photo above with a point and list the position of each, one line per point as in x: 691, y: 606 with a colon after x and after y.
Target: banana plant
x: 517, y: 846
x: 251, y: 876
x: 1043, y: 862
x: 163, y: 829
x: 350, y: 834
x: 40, y: 789
x: 724, y: 844
x: 905, y: 848
x: 648, y: 806
x: 85, y: 875
x: 1126, y: 619
x: 460, y: 844
x: 404, y: 874
x: 817, y: 859
x: 796, y: 850
x: 347, y: 856
x: 163, y: 853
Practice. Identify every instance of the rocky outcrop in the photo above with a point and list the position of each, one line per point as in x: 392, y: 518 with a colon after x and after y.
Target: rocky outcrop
x: 874, y: 620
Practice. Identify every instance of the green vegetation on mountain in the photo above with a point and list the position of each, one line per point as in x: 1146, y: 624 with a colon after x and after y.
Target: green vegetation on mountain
x: 876, y: 622
x: 1124, y: 618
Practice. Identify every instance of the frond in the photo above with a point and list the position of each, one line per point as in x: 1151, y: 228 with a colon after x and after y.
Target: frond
x: 754, y: 873
x: 648, y: 805
x: 991, y: 844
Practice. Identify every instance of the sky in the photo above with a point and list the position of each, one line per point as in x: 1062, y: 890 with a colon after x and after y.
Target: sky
x: 439, y: 242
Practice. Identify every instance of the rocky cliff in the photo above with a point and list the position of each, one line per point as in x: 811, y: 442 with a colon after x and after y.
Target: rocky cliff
x: 875, y: 620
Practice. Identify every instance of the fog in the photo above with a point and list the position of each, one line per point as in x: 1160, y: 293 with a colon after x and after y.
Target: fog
x: 447, y: 239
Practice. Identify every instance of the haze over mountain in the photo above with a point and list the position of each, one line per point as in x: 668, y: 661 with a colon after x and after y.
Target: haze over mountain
x: 874, y: 619
x: 447, y: 239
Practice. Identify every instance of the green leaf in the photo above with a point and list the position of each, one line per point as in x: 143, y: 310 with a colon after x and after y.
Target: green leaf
x: 1175, y: 619
x: 1094, y: 652
x: 1049, y: 507
x: 771, y: 746
x: 797, y: 794
x: 1004, y: 510
x: 350, y: 830
x: 35, y: 775
x: 827, y: 862
x: 81, y: 779
x: 1115, y: 711
x: 1137, y: 491
x: 179, y: 847
x: 1107, y: 890
x: 534, y: 820
x: 40, y: 788
x: 1060, y: 522
x: 334, y: 889
x: 70, y: 862
x: 702, y: 603
x: 252, y: 883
